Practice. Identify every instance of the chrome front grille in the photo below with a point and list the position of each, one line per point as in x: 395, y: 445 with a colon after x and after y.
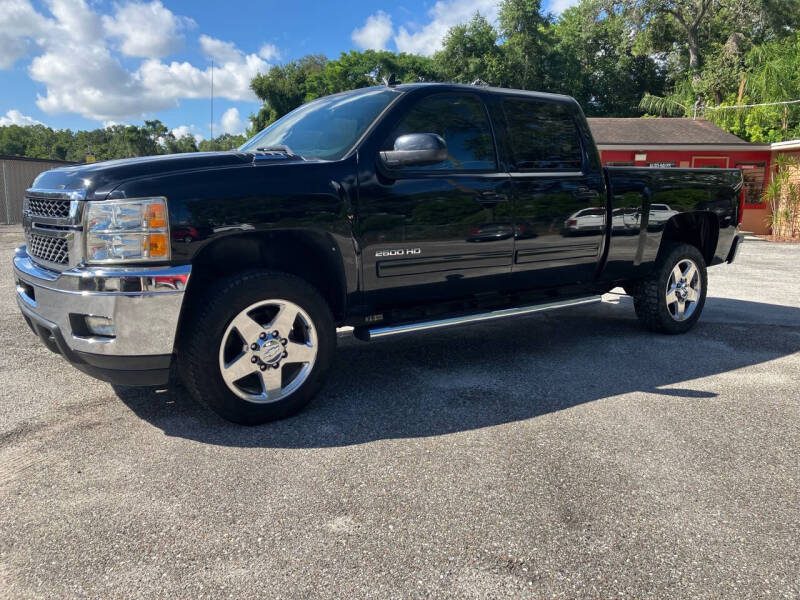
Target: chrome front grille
x: 48, y: 207
x: 48, y: 248
x: 52, y: 223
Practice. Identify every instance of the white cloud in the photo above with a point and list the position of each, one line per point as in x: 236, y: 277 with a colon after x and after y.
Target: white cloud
x: 232, y: 76
x: 376, y: 32
x: 269, y: 52
x: 11, y: 50
x: 185, y: 130
x: 233, y: 71
x: 424, y: 38
x: 86, y: 79
x: 219, y: 50
x: 149, y: 30
x: 559, y: 6
x: 19, y: 25
x: 444, y: 15
x: 82, y: 73
x: 231, y: 123
x: 14, y: 117
x: 76, y: 20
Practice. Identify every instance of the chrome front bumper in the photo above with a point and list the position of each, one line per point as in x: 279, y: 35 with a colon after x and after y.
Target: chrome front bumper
x: 144, y: 304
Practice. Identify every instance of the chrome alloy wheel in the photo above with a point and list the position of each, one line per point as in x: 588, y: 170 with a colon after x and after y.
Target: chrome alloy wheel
x: 268, y: 351
x: 684, y: 289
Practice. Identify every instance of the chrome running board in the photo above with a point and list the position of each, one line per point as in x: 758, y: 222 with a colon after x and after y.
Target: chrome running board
x: 366, y: 333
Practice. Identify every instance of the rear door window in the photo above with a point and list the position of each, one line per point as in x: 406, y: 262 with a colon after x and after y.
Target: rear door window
x: 543, y: 136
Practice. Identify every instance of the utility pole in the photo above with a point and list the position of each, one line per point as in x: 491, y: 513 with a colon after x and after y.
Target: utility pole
x: 212, y: 98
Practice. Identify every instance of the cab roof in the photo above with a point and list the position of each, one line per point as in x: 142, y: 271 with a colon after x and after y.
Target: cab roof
x: 410, y: 87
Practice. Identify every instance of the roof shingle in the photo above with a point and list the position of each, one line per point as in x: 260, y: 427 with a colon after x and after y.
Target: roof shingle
x: 648, y: 132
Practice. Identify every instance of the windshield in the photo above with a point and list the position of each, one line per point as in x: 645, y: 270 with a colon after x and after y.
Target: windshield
x: 326, y: 128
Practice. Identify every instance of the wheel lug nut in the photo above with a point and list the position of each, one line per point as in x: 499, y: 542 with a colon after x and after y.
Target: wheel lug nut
x: 276, y: 365
x: 276, y: 334
x: 254, y: 346
x: 254, y: 360
x: 262, y: 367
x: 262, y: 335
x: 284, y: 341
x: 285, y: 354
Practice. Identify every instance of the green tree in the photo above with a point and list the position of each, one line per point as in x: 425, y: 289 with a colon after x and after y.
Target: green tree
x: 13, y: 140
x: 359, y: 69
x: 600, y: 64
x: 183, y: 144
x: 226, y: 141
x: 285, y: 87
x: 470, y: 52
x: 687, y: 31
x: 768, y: 74
x: 527, y: 46
x: 118, y: 141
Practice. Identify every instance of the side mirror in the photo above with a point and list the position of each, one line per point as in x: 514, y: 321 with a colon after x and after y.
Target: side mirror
x: 415, y: 150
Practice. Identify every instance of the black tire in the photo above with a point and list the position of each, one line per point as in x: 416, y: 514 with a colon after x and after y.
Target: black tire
x: 650, y: 293
x: 630, y: 287
x: 199, y: 350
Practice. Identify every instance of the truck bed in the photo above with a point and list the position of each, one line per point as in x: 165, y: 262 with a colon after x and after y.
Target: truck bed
x: 643, y: 200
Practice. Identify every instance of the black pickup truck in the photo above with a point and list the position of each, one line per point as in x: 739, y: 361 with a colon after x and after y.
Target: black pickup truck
x: 390, y: 209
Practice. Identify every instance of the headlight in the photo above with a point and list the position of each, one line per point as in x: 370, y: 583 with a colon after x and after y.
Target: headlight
x: 127, y: 230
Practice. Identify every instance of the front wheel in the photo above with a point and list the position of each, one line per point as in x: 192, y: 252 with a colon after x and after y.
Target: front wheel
x: 672, y: 297
x: 259, y: 348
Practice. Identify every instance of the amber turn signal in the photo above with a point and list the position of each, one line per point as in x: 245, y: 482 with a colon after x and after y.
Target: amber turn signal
x: 158, y: 245
x: 156, y: 215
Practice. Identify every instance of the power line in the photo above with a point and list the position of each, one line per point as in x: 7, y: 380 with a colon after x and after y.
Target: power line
x: 699, y: 107
x: 726, y: 107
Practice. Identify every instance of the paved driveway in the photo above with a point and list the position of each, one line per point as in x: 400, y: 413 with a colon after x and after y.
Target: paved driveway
x: 563, y: 454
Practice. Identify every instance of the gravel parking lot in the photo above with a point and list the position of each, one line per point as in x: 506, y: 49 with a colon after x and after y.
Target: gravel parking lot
x: 564, y: 454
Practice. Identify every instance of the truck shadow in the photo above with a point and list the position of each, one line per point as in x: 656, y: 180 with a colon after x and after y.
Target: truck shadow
x: 495, y: 373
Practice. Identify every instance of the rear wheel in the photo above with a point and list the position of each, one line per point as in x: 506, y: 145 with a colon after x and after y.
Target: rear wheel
x: 671, y: 298
x: 259, y: 348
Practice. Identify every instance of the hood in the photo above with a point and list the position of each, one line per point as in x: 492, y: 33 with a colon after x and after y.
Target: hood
x: 99, y: 179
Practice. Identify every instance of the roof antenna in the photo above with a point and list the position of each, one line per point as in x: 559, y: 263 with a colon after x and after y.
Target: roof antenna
x: 390, y: 81
x: 212, y: 98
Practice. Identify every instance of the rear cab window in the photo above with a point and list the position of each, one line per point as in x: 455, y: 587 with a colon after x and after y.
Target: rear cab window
x: 542, y: 135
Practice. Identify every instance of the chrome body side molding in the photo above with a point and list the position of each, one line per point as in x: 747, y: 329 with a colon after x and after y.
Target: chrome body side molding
x: 367, y: 334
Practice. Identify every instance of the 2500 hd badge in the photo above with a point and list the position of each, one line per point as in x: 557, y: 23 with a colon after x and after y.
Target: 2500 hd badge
x: 398, y: 252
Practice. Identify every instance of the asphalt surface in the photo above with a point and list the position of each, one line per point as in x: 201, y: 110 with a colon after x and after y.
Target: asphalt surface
x: 566, y: 454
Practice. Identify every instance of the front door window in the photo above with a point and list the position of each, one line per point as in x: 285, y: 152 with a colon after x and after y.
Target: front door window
x: 464, y: 125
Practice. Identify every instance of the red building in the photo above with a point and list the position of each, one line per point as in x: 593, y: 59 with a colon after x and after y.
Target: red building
x: 691, y: 143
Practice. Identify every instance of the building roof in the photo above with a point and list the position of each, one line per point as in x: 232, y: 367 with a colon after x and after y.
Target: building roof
x: 654, y: 132
x: 29, y: 159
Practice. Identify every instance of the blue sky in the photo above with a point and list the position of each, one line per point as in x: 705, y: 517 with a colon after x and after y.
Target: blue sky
x: 80, y: 64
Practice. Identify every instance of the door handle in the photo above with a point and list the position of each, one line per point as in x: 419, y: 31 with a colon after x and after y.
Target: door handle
x: 490, y: 197
x: 584, y: 193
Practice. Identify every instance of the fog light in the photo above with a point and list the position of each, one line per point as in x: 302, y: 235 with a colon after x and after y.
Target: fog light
x: 102, y: 326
